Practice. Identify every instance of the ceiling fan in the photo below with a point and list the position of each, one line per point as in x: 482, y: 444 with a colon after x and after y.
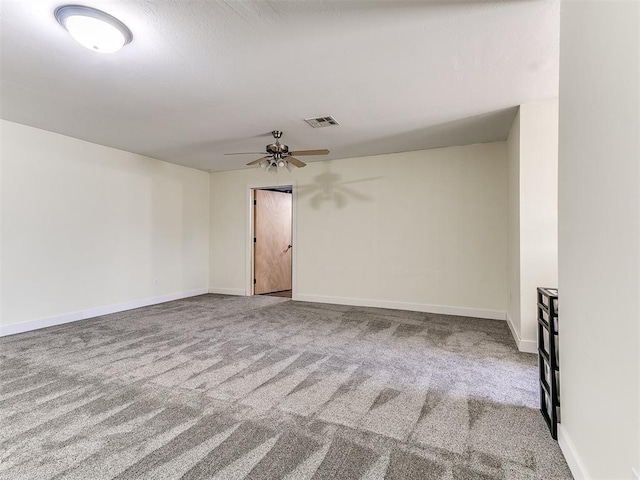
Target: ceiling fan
x: 278, y: 155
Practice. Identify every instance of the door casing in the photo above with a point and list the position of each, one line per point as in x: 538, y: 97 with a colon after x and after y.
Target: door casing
x: 249, y: 263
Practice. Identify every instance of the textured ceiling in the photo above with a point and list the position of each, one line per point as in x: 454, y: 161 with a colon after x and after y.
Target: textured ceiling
x: 202, y: 78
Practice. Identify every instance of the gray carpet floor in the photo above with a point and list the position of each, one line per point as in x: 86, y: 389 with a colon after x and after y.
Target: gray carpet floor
x: 267, y: 388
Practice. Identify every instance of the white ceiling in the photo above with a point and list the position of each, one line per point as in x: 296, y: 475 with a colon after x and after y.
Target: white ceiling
x: 202, y: 78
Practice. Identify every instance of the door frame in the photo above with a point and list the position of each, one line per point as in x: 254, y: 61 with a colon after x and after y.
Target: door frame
x: 249, y: 260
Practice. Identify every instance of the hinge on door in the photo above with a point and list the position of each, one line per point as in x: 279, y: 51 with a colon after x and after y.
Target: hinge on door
x: 254, y: 240
x: 254, y: 202
x: 254, y: 281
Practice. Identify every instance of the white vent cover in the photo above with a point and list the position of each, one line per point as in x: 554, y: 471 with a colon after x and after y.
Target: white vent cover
x: 318, y: 122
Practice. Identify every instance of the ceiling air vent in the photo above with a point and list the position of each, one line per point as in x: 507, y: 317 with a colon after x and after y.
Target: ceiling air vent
x: 318, y: 122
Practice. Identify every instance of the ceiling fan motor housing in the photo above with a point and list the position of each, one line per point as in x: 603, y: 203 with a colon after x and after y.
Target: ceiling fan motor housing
x: 277, y: 148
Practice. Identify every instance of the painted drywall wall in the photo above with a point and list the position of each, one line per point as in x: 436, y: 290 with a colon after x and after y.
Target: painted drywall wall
x: 538, y: 208
x: 599, y: 237
x: 86, y: 226
x: 513, y: 248
x: 532, y: 151
x: 414, y: 229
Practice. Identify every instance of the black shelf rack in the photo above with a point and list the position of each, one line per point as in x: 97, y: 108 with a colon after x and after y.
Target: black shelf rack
x: 548, y: 358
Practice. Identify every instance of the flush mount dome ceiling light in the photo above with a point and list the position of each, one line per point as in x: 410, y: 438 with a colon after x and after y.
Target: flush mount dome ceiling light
x: 94, y: 29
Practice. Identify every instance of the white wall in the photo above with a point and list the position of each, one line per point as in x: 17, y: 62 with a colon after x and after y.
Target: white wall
x: 87, y: 226
x: 533, y: 214
x: 409, y: 230
x: 538, y: 208
x: 513, y: 248
x: 599, y: 237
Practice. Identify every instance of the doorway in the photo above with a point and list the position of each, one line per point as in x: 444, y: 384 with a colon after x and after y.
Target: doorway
x: 272, y: 241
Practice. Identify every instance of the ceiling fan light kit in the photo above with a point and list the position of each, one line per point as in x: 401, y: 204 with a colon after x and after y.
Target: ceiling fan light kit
x: 277, y: 155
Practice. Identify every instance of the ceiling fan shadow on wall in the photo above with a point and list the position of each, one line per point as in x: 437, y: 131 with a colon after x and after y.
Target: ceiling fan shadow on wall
x: 277, y: 155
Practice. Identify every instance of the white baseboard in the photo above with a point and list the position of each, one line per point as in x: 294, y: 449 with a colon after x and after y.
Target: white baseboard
x: 571, y: 456
x: 526, y: 346
x: 228, y: 291
x: 28, y: 326
x: 416, y: 307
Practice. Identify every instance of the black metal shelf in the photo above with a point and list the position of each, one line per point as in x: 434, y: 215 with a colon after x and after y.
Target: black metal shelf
x: 548, y: 357
x: 546, y: 386
x: 546, y: 323
x: 545, y: 355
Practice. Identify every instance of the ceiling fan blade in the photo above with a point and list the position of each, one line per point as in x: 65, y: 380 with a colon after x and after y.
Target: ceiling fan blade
x: 310, y: 152
x: 246, y: 153
x: 258, y: 160
x: 295, y: 162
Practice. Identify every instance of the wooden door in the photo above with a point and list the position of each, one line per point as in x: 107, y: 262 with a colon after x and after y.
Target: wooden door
x: 272, y: 250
